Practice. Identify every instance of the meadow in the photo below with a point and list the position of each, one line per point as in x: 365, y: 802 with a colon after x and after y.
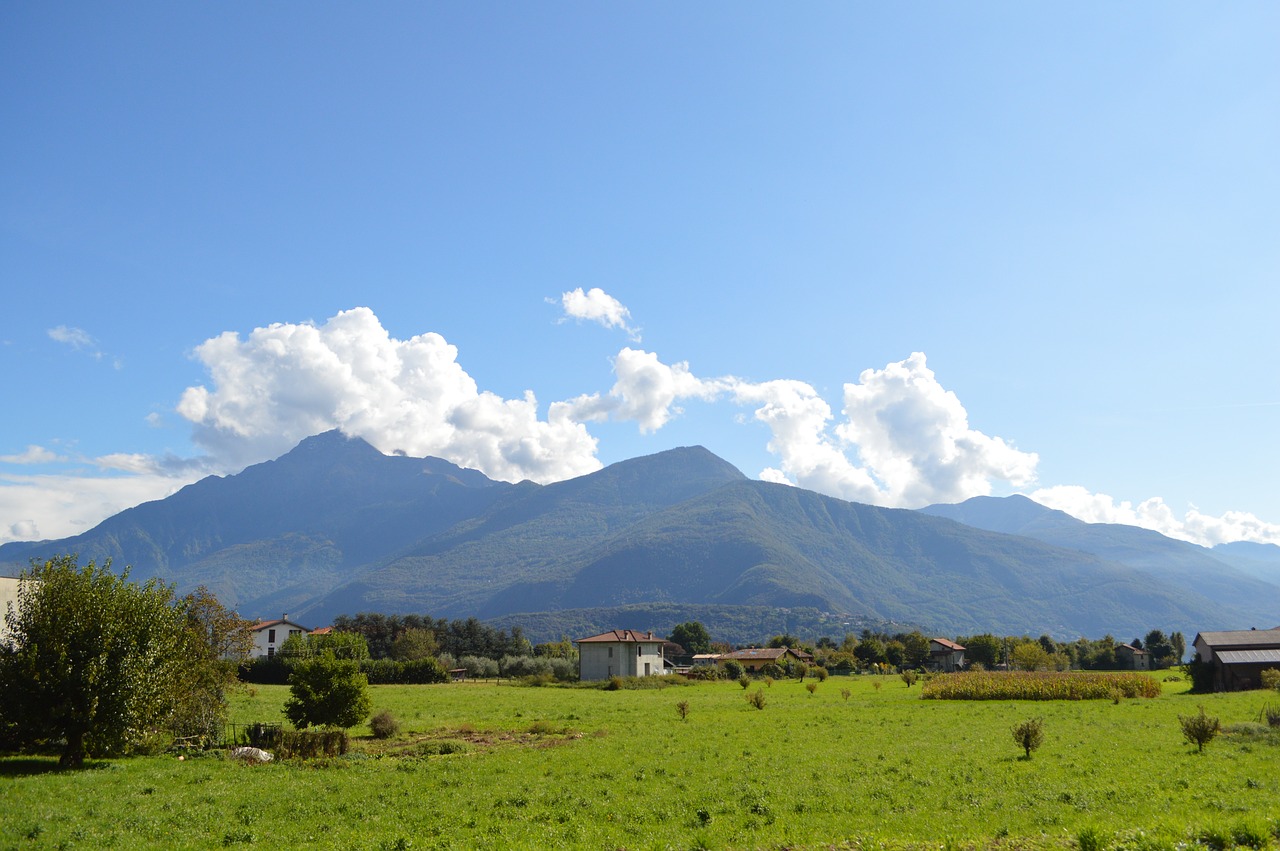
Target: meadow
x: 505, y: 766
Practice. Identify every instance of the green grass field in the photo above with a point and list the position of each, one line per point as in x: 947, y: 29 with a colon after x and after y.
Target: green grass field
x: 621, y: 770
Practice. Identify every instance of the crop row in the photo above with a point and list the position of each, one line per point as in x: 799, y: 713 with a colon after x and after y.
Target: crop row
x: 1040, y: 685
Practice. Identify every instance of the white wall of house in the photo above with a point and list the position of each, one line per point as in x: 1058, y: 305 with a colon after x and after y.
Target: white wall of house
x: 600, y: 660
x: 8, y: 595
x: 268, y: 640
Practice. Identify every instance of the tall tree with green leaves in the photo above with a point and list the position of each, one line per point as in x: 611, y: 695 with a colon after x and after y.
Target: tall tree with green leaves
x: 91, y: 659
x: 327, y: 692
x: 692, y: 636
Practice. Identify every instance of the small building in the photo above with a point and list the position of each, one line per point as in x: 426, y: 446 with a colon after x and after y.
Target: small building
x: 1239, y: 656
x: 269, y: 636
x: 945, y: 656
x: 1132, y: 658
x: 705, y: 659
x: 620, y: 653
x: 755, y: 658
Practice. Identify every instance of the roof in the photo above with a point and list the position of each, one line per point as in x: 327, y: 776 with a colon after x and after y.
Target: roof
x: 1241, y: 638
x: 261, y: 625
x: 950, y: 645
x: 1239, y: 657
x: 324, y: 630
x: 770, y: 653
x: 625, y: 636
x: 1131, y: 649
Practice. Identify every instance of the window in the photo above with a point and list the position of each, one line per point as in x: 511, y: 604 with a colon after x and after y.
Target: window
x: 271, y: 651
x: 610, y: 652
x: 639, y: 650
x: 271, y: 636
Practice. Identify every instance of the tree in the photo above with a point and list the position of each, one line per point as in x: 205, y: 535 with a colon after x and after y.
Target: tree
x: 91, y: 659
x: 327, y: 692
x: 692, y: 636
x: 414, y: 644
x: 1029, y: 734
x: 982, y: 649
x: 1179, y: 644
x: 217, y: 640
x: 917, y: 649
x: 1200, y: 729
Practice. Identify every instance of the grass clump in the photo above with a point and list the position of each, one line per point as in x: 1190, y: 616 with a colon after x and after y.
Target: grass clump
x: 384, y: 724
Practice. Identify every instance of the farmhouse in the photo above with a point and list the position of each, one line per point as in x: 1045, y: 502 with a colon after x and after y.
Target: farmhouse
x: 620, y: 653
x: 1132, y: 659
x: 755, y: 658
x: 268, y: 636
x: 1239, y: 656
x: 945, y: 656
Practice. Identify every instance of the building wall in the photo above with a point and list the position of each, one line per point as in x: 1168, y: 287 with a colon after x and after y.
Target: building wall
x: 264, y: 646
x: 600, y: 660
x: 8, y: 594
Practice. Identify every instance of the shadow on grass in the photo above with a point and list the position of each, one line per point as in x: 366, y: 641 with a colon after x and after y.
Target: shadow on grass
x: 30, y: 766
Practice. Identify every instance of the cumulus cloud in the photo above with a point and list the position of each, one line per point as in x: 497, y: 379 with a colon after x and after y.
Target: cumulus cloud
x: 596, y: 305
x: 286, y: 381
x: 645, y: 391
x: 33, y: 455
x: 1194, y: 526
x: 915, y: 437
x: 905, y: 440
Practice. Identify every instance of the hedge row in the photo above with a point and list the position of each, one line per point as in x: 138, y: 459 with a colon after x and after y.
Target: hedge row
x: 276, y: 670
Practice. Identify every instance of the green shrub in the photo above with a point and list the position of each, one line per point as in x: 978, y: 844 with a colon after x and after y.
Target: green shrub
x: 703, y: 672
x: 744, y: 681
x: 845, y: 693
x: 910, y: 677
x: 443, y: 747
x: 812, y: 687
x: 384, y: 725
x: 682, y: 709
x: 1200, y: 729
x: 1271, y: 679
x: 1029, y: 734
x: 772, y: 671
x: 327, y: 692
x: 757, y: 699
x: 1270, y: 715
x: 733, y: 669
x: 820, y: 673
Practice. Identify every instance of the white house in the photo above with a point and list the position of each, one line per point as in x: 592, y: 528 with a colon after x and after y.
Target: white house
x: 8, y: 596
x: 620, y: 653
x: 268, y: 636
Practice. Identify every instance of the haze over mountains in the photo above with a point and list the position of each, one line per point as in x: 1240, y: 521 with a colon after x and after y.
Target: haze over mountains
x: 336, y: 527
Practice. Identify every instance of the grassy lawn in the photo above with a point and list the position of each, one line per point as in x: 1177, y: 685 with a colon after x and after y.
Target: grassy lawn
x: 553, y: 767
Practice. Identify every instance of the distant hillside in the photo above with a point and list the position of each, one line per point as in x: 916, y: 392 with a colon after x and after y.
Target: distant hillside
x: 335, y: 527
x: 1246, y: 598
x: 1258, y: 560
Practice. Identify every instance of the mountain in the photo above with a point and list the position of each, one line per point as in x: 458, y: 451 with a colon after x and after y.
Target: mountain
x: 336, y: 527
x: 1217, y: 574
x: 1258, y: 560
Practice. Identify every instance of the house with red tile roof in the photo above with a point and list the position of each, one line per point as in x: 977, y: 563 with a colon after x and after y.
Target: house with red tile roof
x: 268, y: 636
x: 945, y: 655
x: 620, y: 653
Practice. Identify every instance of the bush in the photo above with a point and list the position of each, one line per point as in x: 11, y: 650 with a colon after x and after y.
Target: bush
x: 910, y: 677
x: 733, y: 669
x: 844, y: 692
x: 1092, y: 839
x: 744, y: 681
x: 703, y: 672
x: 1200, y: 729
x: 1271, y: 679
x: 1029, y: 734
x: 327, y: 692
x: 820, y: 673
x: 682, y: 709
x: 756, y: 698
x: 1270, y: 715
x: 812, y: 687
x: 443, y: 747
x: 384, y: 725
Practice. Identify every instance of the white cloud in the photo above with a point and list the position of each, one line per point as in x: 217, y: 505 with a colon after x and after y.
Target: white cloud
x: 59, y: 506
x: 596, y: 305
x: 1154, y: 514
x: 76, y: 338
x: 645, y: 392
x: 915, y: 437
x: 33, y: 455
x: 288, y: 381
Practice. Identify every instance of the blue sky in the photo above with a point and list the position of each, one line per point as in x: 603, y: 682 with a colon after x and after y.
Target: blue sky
x: 895, y: 253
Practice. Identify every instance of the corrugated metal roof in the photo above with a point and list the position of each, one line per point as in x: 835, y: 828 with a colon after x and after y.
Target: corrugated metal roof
x: 1241, y: 638
x: 1239, y: 657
